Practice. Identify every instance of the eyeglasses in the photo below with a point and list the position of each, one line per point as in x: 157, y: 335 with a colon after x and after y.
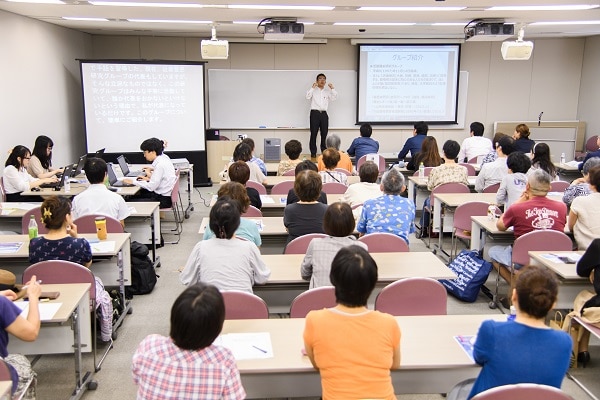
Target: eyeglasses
x: 27, y: 158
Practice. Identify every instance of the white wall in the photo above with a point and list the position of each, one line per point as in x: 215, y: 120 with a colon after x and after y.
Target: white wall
x: 41, y: 90
x: 589, y: 91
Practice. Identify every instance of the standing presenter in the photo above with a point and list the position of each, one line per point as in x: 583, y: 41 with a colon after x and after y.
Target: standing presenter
x: 319, y: 97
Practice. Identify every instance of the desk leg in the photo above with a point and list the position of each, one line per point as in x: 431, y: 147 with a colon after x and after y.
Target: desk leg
x: 476, y: 239
x: 154, y: 225
x: 126, y: 303
x: 190, y: 206
x: 412, y: 194
x: 81, y: 384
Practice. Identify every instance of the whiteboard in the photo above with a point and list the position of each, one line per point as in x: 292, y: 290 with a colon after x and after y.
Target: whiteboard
x: 249, y: 99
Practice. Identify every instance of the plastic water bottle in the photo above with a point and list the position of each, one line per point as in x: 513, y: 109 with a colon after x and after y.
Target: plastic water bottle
x: 67, y: 185
x: 33, y: 228
x: 513, y: 314
x: 421, y: 171
x: 562, y: 158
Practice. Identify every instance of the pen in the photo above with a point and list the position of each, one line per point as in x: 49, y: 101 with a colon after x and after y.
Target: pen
x: 26, y: 286
x: 258, y: 348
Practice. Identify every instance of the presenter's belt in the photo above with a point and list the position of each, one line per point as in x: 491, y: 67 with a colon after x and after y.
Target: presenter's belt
x: 319, y: 111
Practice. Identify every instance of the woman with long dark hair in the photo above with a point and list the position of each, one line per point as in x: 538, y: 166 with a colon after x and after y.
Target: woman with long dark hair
x: 40, y: 165
x: 16, y: 179
x: 541, y: 159
x: 429, y: 155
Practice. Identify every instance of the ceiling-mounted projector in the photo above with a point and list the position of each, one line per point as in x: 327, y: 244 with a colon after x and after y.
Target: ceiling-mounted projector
x: 214, y: 49
x: 517, y: 50
x: 488, y: 31
x: 284, y: 31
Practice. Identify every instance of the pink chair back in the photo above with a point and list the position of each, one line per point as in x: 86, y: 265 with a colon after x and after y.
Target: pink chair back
x: 291, y: 172
x: 243, y: 305
x: 383, y: 242
x: 470, y: 169
x: 427, y: 171
x: 523, y: 391
x: 258, y: 186
x: 343, y: 171
x: 559, y: 186
x: 300, y: 244
x: 87, y: 224
x: 474, y: 160
x: 464, y: 212
x: 592, y: 143
x: 313, y: 299
x: 413, y: 296
x: 4, y: 372
x: 543, y: 240
x: 492, y: 188
x: 451, y: 187
x: 59, y: 271
x: 37, y: 212
x: 252, y: 212
x: 334, y: 188
x: 380, y: 161
x: 282, y: 188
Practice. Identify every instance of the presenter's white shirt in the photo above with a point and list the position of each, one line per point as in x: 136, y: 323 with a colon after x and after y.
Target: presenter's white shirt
x: 97, y: 199
x: 320, y: 98
x: 474, y: 146
x: 16, y: 180
x: 163, y: 177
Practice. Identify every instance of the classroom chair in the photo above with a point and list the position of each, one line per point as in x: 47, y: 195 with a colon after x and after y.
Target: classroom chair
x: 492, y: 188
x: 5, y: 376
x: 291, y: 172
x: 559, y: 186
x: 244, y: 305
x: 462, y: 222
x: 37, y: 213
x: 177, y: 209
x: 87, y: 224
x: 427, y: 171
x: 334, y: 188
x: 300, y: 244
x: 260, y: 188
x: 313, y: 299
x: 450, y: 187
x: 252, y: 212
x: 282, y: 188
x: 470, y: 169
x: 523, y: 391
x: 343, y: 171
x: 383, y: 242
x: 59, y: 271
x: 380, y: 161
x: 413, y: 296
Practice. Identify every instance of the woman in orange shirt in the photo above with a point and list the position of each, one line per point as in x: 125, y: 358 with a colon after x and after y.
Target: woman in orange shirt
x: 355, y: 364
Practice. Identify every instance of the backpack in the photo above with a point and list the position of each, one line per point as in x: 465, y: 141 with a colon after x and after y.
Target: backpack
x: 143, y: 277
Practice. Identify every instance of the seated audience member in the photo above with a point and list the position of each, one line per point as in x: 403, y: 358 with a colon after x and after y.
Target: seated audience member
x: 448, y: 172
x: 366, y: 189
x: 16, y: 179
x: 580, y: 186
x: 352, y: 347
x: 364, y: 144
x: 414, y: 143
x: 306, y: 215
x: 522, y: 141
x: 40, y: 164
x: 429, y: 155
x: 492, y: 155
x: 588, y: 267
x: 239, y: 172
x: 305, y: 165
x: 293, y: 149
x: 160, y: 178
x: 62, y: 243
x: 243, y: 152
x: 391, y: 212
x: 331, y: 157
x: 541, y: 160
x: 493, y: 172
x: 338, y: 223
x: 502, y: 346
x: 513, y: 184
x: 97, y: 199
x: 475, y: 145
x: 530, y: 212
x: 225, y: 261
x: 334, y: 141
x: 202, y: 369
x: 24, y: 328
x: 247, y: 229
x: 591, y: 154
x: 255, y: 160
x: 584, y: 217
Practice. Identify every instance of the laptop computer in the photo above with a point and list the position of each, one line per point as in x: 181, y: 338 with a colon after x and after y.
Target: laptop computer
x: 80, y: 165
x: 58, y: 185
x: 112, y: 178
x: 125, y: 168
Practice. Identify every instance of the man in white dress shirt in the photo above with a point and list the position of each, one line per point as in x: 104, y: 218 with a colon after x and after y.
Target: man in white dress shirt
x: 97, y: 199
x: 475, y: 145
x: 319, y: 97
x: 495, y: 171
x: 160, y: 179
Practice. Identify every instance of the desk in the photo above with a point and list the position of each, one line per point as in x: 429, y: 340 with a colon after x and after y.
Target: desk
x: 273, y: 229
x: 567, y: 172
x: 416, y: 182
x: 286, y: 283
x: 273, y: 180
x: 69, y: 331
x: 570, y: 283
x: 431, y: 360
x: 5, y: 389
x: 274, y: 204
x: 77, y: 188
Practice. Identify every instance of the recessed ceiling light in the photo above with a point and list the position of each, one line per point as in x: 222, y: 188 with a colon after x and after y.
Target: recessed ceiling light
x: 375, y: 23
x: 257, y: 22
x: 85, y: 19
x: 562, y: 7
x: 38, y: 1
x: 169, y: 21
x: 279, y: 7
x: 377, y: 8
x: 135, y: 4
x: 449, y: 23
x: 566, y: 23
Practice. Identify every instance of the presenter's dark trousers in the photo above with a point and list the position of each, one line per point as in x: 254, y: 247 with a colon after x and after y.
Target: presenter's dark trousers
x: 318, y: 120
